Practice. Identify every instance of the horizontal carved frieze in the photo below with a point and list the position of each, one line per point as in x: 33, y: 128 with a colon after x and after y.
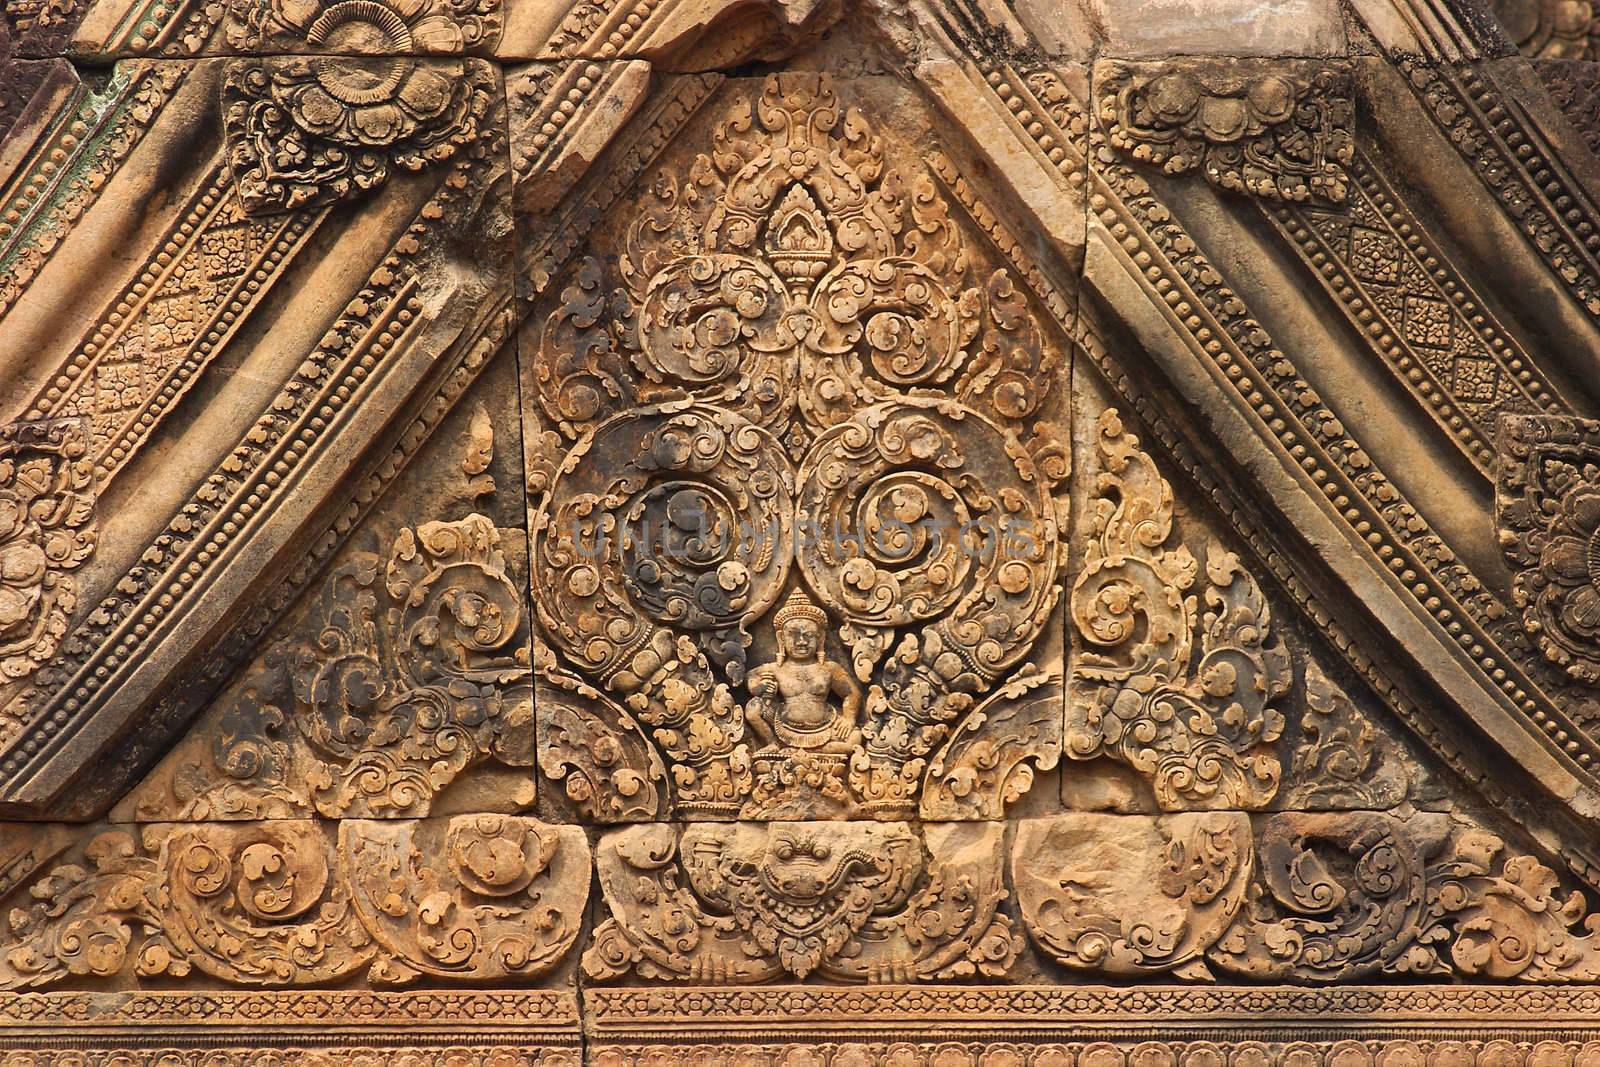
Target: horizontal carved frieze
x: 306, y: 1028
x: 296, y: 903
x: 1109, y: 1026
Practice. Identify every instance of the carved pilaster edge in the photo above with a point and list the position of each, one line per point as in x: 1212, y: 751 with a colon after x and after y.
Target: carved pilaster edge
x: 1519, y: 167
x: 93, y: 141
x: 137, y: 612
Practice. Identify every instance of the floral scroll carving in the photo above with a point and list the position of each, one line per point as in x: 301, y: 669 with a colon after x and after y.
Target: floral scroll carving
x: 279, y: 904
x: 793, y: 278
x: 1344, y: 760
x: 307, y: 130
x: 797, y: 495
x: 1281, y: 132
x: 715, y: 472
x: 991, y: 758
x: 1352, y: 895
x: 1305, y: 897
x: 1196, y: 718
x: 507, y: 902
x: 417, y: 672
x: 611, y: 771
x: 1346, y: 897
x: 359, y: 27
x: 1548, y: 507
x: 47, y: 531
x: 798, y: 499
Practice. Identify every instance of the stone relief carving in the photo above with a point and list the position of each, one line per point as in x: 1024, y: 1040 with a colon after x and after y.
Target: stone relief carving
x: 1418, y: 312
x: 1352, y: 895
x: 377, y: 1053
x: 47, y: 531
x: 1234, y: 345
x: 1304, y: 896
x: 313, y: 130
x: 1097, y: 1024
x: 1571, y: 87
x: 1196, y: 718
x: 410, y: 669
x: 991, y: 759
x: 1298, y: 896
x: 1125, y: 895
x: 418, y: 1028
x: 790, y: 634
x: 805, y: 415
x: 796, y: 539
x: 852, y: 901
x: 1343, y: 760
x: 1279, y: 131
x: 415, y: 671
x: 378, y: 28
x: 612, y: 772
x: 1548, y: 506
x: 279, y: 904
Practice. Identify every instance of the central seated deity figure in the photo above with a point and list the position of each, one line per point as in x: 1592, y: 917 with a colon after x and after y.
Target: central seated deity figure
x: 793, y: 706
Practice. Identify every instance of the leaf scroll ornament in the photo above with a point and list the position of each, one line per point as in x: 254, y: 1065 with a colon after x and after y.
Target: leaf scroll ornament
x: 1198, y: 722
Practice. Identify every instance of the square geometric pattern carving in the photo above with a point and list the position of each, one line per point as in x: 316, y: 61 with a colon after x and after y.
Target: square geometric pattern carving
x: 1427, y: 322
x: 1476, y: 379
x: 1374, y: 255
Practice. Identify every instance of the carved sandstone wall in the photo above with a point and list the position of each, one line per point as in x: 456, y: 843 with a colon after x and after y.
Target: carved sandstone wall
x: 1043, y: 533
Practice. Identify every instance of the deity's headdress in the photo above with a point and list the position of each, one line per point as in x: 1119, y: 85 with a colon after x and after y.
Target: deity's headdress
x: 800, y: 606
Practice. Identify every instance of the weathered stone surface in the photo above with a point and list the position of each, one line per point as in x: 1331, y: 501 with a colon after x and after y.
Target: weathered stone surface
x: 1132, y: 894
x: 543, y: 531
x: 1217, y: 27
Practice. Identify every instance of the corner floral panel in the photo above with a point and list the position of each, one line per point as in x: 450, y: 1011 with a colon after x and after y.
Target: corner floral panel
x: 312, y: 130
x: 363, y: 27
x: 1548, y: 508
x: 1281, y: 130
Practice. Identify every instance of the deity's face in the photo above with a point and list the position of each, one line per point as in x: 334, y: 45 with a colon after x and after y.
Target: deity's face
x: 802, y: 638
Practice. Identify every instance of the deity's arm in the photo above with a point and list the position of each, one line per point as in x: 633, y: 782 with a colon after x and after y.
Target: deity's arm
x: 848, y: 690
x: 758, y: 716
x: 762, y: 680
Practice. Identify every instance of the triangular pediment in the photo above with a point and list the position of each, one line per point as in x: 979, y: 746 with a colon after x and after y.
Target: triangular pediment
x: 605, y: 496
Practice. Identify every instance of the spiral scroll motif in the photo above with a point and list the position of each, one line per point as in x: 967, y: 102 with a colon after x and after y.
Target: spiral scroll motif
x: 666, y: 520
x: 251, y: 903
x: 896, y: 315
x: 923, y: 510
x: 719, y: 323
